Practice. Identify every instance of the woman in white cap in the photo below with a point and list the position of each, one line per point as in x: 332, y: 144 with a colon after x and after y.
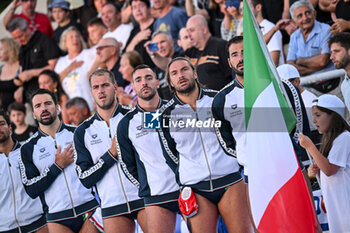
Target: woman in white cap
x: 332, y: 162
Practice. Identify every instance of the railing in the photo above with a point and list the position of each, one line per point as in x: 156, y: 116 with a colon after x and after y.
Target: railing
x: 305, y: 80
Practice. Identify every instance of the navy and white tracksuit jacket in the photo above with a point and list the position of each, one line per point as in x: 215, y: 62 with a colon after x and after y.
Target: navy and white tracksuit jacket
x: 200, y: 156
x: 97, y: 167
x: 141, y: 156
x: 17, y: 209
x: 60, y: 189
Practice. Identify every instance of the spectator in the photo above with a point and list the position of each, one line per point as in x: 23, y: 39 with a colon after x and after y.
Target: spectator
x: 38, y: 52
x: 163, y: 54
x: 98, y: 5
x: 49, y: 80
x: 62, y: 16
x: 332, y: 161
x: 21, y: 130
x: 232, y: 20
x: 143, y: 29
x: 308, y: 48
x: 340, y: 48
x: 342, y: 21
x: 290, y: 73
x: 108, y: 52
x: 77, y: 110
x: 208, y: 54
x: 112, y: 19
x: 184, y: 40
x: 73, y: 68
x: 19, y: 212
x: 212, y: 10
x: 170, y: 19
x: 96, y: 29
x: 9, y: 82
x: 128, y: 62
x: 35, y: 20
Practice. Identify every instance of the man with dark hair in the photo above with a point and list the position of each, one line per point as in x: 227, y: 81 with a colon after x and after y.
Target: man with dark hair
x: 189, y: 140
x: 48, y: 171
x: 77, y: 110
x: 208, y: 54
x: 340, y: 55
x: 141, y: 155
x: 35, y: 20
x: 111, y: 17
x: 38, y: 52
x: 96, y: 158
x: 19, y: 213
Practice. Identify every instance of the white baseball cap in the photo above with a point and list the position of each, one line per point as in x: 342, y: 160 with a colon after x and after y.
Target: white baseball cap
x: 287, y: 71
x: 331, y: 102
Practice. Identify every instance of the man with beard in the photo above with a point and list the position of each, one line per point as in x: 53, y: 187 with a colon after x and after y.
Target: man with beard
x: 48, y: 171
x: 340, y: 55
x: 202, y: 164
x: 141, y: 155
x: 19, y: 213
x: 96, y: 161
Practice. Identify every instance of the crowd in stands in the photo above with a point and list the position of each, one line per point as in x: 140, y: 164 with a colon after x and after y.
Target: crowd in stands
x: 310, y: 36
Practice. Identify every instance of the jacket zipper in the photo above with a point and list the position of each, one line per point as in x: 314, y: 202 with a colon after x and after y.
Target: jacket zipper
x: 14, y: 197
x: 120, y: 179
x: 70, y: 195
x: 205, y: 155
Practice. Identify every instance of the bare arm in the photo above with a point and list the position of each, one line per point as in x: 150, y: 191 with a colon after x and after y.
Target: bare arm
x: 27, y: 75
x: 11, y: 12
x: 308, y: 65
x: 285, y: 13
x: 275, y: 55
x: 189, y: 8
x: 321, y: 161
x: 74, y: 65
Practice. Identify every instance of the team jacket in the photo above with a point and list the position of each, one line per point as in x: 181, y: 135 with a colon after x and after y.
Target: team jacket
x: 141, y: 155
x: 228, y: 107
x: 17, y: 208
x: 60, y: 189
x: 200, y: 156
x: 95, y: 164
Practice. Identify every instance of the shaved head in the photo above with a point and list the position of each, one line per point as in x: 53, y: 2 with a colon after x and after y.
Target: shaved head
x: 198, y: 20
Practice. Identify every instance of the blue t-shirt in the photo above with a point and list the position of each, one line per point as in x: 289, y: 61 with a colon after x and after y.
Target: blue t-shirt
x: 172, y: 23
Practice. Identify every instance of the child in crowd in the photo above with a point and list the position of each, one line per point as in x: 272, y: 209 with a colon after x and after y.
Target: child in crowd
x: 332, y: 161
x: 21, y: 131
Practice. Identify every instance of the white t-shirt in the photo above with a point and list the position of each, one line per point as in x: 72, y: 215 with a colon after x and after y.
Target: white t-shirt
x: 275, y: 43
x: 308, y: 97
x: 345, y: 90
x: 336, y: 188
x: 121, y: 34
x: 76, y: 83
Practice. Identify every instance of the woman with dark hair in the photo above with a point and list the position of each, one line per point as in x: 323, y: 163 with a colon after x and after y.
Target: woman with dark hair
x: 50, y: 80
x: 128, y: 62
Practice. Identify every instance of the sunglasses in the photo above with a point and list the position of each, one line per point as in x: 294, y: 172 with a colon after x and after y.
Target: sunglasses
x: 28, y: 0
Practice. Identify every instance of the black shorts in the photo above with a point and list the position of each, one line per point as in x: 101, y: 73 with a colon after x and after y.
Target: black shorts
x: 34, y: 226
x: 168, y: 201
x: 214, y: 196
x: 129, y: 211
x: 74, y: 224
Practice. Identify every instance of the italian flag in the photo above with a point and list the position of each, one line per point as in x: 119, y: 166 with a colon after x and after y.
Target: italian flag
x: 279, y: 197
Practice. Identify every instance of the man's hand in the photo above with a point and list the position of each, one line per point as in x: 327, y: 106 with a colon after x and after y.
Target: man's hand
x: 16, y: 3
x: 66, y: 157
x: 25, y: 76
x: 18, y: 95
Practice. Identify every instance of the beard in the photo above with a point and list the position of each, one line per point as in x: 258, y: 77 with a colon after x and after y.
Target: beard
x: 107, y: 105
x: 238, y: 72
x: 4, y: 138
x: 48, y: 121
x: 187, y: 90
x: 343, y: 62
x: 148, y: 96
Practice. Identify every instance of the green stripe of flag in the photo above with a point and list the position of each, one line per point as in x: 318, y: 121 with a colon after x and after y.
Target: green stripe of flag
x: 259, y: 70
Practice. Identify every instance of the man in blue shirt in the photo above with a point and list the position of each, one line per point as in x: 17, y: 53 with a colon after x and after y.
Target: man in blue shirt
x: 308, y: 48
